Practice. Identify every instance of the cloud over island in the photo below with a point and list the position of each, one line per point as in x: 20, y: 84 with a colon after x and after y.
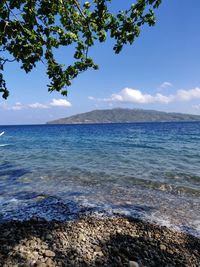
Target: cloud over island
x: 130, y: 95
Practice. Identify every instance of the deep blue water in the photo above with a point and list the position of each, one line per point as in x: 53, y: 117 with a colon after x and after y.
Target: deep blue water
x: 147, y: 170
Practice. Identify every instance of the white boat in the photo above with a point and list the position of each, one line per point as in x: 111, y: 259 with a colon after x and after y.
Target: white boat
x: 2, y: 133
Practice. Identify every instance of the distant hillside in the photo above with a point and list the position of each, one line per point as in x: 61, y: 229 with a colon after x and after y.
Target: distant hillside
x: 119, y: 115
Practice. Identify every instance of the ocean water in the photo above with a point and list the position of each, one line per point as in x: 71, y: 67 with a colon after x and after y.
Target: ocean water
x: 146, y: 170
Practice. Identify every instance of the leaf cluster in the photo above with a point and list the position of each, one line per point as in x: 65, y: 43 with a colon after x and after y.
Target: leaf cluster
x: 31, y: 31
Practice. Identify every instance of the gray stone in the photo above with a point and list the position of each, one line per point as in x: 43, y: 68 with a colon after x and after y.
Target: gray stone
x: 97, y: 248
x: 50, y: 263
x: 133, y: 264
x: 99, y: 254
x: 162, y: 247
x: 49, y: 253
x: 40, y: 264
x: 35, y: 255
x: 49, y: 237
x: 81, y: 237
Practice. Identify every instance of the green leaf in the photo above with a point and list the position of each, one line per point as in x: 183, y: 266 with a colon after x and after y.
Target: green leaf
x: 33, y: 31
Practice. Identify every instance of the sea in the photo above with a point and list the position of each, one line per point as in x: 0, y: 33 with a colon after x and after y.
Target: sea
x: 149, y: 171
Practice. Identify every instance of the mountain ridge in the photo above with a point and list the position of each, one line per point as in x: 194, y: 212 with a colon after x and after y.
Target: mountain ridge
x: 124, y: 115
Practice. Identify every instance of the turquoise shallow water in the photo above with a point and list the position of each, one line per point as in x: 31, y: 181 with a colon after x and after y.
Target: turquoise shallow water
x: 146, y: 170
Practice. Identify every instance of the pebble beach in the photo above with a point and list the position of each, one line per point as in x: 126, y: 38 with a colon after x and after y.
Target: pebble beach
x: 95, y: 241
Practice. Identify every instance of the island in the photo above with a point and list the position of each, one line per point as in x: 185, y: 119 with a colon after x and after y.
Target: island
x: 125, y: 115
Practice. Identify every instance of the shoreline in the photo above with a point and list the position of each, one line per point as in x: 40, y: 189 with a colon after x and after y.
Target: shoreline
x: 93, y: 241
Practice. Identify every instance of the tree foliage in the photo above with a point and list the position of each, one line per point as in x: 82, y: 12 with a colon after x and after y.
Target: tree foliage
x: 32, y: 30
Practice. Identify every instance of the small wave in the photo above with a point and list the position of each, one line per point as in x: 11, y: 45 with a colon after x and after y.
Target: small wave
x: 197, y: 224
x: 161, y: 220
x: 2, y: 145
x: 13, y: 200
x: 5, y: 201
x: 168, y: 186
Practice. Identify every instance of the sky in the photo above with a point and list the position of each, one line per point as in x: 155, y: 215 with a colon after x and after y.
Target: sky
x: 160, y: 71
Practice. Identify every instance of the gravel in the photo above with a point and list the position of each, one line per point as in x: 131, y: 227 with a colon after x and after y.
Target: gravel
x: 94, y: 241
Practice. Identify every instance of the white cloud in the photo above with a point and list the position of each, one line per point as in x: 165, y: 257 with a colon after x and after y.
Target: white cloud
x: 37, y: 105
x: 165, y: 85
x: 17, y: 106
x: 136, y: 96
x: 196, y: 106
x: 187, y: 95
x: 130, y: 95
x: 91, y: 98
x: 60, y: 103
x: 99, y: 99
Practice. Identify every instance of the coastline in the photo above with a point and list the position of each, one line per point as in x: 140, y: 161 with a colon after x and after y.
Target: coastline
x: 95, y: 241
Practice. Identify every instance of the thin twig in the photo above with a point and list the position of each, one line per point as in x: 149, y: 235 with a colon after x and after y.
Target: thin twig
x: 10, y: 10
x: 79, y: 9
x: 3, y: 60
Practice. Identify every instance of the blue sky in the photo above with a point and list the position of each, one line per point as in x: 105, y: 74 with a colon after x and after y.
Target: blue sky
x: 160, y: 71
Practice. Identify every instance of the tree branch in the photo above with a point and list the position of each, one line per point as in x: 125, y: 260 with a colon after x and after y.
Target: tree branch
x: 79, y: 9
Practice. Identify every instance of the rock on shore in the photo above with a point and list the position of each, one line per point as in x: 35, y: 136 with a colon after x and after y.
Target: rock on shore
x: 92, y: 241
